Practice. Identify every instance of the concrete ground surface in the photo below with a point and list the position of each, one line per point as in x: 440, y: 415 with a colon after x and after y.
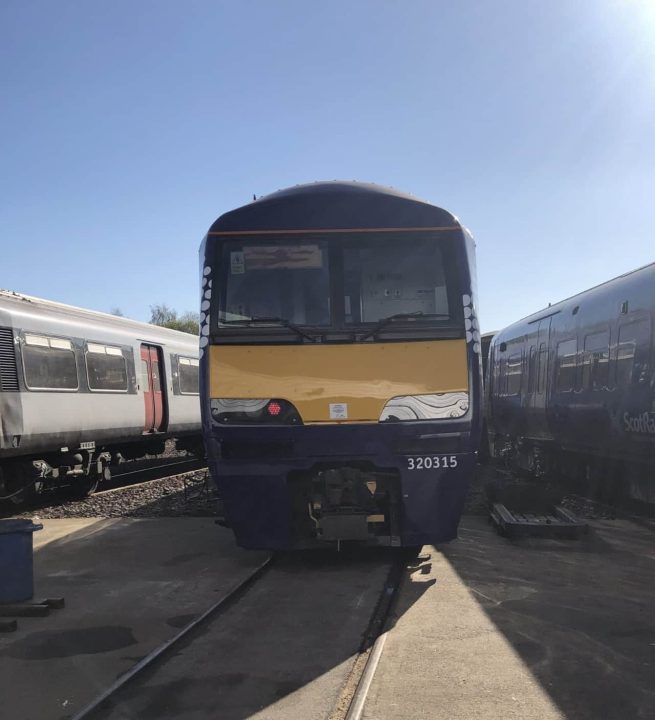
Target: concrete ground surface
x: 493, y: 629
x: 283, y: 651
x: 129, y: 585
x: 483, y: 627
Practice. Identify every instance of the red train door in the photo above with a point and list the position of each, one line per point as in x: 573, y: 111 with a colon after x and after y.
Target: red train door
x: 151, y: 383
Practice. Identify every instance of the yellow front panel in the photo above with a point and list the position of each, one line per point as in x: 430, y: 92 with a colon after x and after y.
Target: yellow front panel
x: 363, y: 375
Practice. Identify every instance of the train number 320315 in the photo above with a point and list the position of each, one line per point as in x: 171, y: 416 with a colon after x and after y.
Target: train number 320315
x: 431, y: 462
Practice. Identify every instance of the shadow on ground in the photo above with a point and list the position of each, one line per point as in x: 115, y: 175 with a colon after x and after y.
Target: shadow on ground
x: 580, y: 614
x: 283, y: 650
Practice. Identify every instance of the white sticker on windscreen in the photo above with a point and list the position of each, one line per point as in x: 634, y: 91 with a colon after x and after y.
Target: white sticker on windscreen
x: 338, y: 411
x: 237, y: 263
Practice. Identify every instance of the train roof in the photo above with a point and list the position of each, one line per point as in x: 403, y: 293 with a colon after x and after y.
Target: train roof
x: 557, y: 307
x: 17, y: 302
x: 334, y: 205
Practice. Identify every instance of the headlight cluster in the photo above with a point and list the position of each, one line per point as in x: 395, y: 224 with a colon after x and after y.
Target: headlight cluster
x: 269, y: 411
x: 438, y: 406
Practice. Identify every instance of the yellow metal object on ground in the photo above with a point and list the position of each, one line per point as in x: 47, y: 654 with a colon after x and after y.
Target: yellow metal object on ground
x: 320, y: 379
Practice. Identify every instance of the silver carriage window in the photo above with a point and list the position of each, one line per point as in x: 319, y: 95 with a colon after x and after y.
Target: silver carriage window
x: 388, y: 277
x: 188, y: 370
x: 106, y: 368
x: 49, y: 363
x: 286, y: 280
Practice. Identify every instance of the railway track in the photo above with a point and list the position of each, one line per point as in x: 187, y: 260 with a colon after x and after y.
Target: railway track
x: 160, y: 652
x: 251, y: 650
x: 126, y: 480
x: 122, y: 479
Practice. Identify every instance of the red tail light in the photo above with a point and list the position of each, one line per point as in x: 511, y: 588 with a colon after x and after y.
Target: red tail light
x: 274, y: 408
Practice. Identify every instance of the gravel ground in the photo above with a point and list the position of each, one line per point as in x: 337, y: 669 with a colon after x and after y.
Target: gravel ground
x: 167, y: 498
x: 588, y: 509
x: 187, y: 495
x: 477, y: 500
x: 190, y: 495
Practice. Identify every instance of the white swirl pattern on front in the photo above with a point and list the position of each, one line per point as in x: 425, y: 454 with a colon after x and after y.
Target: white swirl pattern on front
x: 439, y: 406
x: 205, y: 301
x: 232, y: 405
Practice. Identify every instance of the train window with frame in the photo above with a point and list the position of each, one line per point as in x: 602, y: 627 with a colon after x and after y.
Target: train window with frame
x: 385, y: 277
x: 514, y: 373
x: 285, y: 279
x: 502, y: 377
x: 542, y: 368
x: 156, y: 382
x: 188, y: 375
x: 106, y: 368
x: 595, y: 361
x: 145, y: 377
x: 633, y: 353
x: 566, y: 365
x: 49, y: 363
x: 532, y: 369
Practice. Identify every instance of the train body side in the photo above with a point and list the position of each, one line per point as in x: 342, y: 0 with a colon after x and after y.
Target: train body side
x: 44, y: 424
x: 575, y: 384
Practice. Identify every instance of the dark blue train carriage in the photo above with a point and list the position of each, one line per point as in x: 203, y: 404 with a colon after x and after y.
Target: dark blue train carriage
x: 340, y: 367
x: 572, y: 388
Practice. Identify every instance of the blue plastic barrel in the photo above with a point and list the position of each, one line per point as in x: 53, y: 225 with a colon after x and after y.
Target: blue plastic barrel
x: 16, y: 567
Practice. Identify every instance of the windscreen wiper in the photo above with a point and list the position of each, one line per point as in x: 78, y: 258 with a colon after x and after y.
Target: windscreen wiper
x: 260, y: 320
x: 419, y: 315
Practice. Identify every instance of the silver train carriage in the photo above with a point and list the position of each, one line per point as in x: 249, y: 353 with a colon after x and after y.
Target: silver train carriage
x: 78, y: 387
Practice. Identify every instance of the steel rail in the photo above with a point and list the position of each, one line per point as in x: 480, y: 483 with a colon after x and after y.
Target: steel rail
x: 361, y: 692
x: 370, y: 652
x: 163, y: 466
x: 116, y: 478
x: 144, y: 471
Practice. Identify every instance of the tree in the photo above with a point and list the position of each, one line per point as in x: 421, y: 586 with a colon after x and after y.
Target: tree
x: 116, y: 311
x: 164, y: 316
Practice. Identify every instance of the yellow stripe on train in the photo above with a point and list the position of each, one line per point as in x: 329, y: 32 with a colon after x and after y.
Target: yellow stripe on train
x: 362, y: 376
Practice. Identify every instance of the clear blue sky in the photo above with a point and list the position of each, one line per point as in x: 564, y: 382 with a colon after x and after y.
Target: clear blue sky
x: 127, y: 127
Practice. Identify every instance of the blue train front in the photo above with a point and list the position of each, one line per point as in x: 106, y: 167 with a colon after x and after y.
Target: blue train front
x: 340, y: 367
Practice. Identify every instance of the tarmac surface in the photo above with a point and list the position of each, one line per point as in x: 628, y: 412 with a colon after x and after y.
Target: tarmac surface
x: 483, y: 627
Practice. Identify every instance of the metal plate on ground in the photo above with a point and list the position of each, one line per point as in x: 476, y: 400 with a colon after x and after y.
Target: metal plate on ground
x: 561, y: 524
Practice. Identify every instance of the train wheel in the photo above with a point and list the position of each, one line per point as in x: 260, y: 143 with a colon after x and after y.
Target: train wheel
x: 85, y: 486
x: 410, y: 553
x: 89, y: 484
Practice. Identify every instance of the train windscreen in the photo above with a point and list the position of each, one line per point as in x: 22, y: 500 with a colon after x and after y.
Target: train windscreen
x: 275, y: 280
x: 339, y: 282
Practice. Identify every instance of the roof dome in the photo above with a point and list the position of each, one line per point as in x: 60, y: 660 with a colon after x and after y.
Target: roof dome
x: 334, y: 205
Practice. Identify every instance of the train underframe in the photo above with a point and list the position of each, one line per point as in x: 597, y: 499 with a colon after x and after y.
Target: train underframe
x: 331, y: 503
x: 80, y: 469
x: 620, y: 476
x: 24, y: 478
x: 285, y: 492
